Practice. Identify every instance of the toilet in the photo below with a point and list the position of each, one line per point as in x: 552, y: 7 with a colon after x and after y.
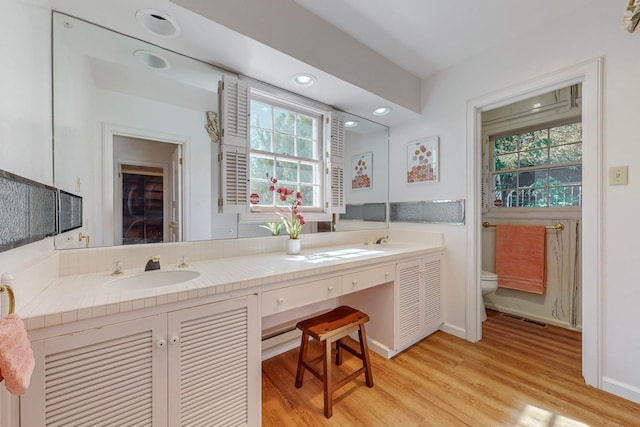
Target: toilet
x: 489, y: 283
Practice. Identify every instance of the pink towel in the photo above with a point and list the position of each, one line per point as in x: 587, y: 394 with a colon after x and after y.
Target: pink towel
x: 521, y: 260
x: 16, y: 356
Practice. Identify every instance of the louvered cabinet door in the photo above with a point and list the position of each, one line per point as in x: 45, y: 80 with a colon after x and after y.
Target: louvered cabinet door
x: 407, y: 300
x: 432, y: 299
x: 112, y: 376
x: 214, y: 365
x: 418, y: 299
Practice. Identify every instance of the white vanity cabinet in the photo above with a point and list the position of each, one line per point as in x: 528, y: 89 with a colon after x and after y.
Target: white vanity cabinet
x: 418, y: 299
x: 191, y: 367
x: 288, y: 297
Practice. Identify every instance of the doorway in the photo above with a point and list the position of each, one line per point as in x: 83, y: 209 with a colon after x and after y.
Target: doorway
x: 143, y: 193
x: 532, y: 176
x: 147, y: 190
x: 589, y: 74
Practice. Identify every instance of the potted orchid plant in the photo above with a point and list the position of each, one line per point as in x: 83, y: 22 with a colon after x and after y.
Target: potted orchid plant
x: 293, y: 220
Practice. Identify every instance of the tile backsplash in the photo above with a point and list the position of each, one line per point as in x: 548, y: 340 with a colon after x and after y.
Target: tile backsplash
x: 94, y: 260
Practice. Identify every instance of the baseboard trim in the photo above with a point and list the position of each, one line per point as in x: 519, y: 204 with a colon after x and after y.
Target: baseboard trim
x: 621, y: 389
x: 280, y: 343
x: 454, y: 330
x: 547, y: 320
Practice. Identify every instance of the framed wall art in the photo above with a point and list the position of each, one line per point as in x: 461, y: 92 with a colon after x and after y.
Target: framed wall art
x: 361, y: 170
x: 422, y: 160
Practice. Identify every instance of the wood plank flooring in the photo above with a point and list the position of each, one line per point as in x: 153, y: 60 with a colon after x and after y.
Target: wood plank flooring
x: 519, y: 375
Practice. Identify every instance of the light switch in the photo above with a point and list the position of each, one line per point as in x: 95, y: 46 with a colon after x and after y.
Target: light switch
x: 619, y: 175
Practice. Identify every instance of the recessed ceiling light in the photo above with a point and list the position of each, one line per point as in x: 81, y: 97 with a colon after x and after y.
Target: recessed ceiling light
x: 158, y: 23
x: 351, y: 123
x: 303, y: 80
x: 381, y: 111
x: 538, y: 105
x: 152, y: 60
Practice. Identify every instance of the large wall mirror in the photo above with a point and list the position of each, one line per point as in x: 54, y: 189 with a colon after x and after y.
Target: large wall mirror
x: 130, y: 136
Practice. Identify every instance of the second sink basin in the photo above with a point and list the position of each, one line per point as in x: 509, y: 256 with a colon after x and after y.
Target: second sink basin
x: 152, y: 279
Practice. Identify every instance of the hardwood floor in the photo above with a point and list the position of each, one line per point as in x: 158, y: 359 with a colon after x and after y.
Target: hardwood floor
x: 520, y: 374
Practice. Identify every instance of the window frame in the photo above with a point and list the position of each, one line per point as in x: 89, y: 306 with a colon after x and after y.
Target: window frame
x: 490, y: 172
x: 311, y: 213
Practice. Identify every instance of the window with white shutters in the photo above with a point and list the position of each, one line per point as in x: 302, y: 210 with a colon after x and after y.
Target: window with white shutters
x: 265, y: 135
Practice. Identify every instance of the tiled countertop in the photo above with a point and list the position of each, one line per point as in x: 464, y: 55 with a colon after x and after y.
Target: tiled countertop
x: 84, y: 296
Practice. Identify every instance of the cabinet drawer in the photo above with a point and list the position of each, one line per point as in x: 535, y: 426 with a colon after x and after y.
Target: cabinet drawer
x: 367, y: 278
x: 290, y: 297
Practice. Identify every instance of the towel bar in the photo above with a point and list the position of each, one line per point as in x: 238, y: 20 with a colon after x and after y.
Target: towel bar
x: 558, y: 227
x: 12, y: 299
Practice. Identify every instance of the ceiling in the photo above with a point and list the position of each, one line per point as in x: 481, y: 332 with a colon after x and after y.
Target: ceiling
x: 427, y: 36
x: 421, y: 37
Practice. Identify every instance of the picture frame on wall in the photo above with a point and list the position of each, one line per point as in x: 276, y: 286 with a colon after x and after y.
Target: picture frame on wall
x: 362, y: 171
x: 422, y: 160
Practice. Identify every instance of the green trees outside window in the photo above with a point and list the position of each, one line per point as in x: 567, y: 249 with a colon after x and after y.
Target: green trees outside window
x: 538, y: 168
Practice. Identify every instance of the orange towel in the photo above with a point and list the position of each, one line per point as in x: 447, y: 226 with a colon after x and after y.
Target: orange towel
x: 16, y: 356
x: 521, y: 261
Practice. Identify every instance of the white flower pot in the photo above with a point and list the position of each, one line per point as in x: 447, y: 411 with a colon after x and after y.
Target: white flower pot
x: 293, y: 246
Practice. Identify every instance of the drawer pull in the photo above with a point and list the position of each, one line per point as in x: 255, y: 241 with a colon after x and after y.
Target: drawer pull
x: 387, y: 274
x: 280, y: 301
x: 354, y: 282
x: 331, y: 288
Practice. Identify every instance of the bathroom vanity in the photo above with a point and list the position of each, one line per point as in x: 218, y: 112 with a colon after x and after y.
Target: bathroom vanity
x: 189, y: 353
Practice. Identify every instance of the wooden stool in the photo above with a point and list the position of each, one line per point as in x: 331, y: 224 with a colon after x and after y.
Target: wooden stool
x: 329, y: 328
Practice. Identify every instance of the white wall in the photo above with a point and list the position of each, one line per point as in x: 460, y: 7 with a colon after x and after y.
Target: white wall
x: 25, y: 104
x: 25, y: 110
x: 594, y: 31
x: 25, y: 129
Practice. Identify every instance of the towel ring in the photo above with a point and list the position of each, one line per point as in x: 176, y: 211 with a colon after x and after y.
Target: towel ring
x: 12, y: 298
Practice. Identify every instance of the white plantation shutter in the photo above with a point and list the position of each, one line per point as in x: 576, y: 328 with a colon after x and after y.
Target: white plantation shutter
x: 234, y: 152
x: 337, y: 169
x: 235, y: 111
x: 337, y: 188
x: 337, y: 137
x: 234, y: 168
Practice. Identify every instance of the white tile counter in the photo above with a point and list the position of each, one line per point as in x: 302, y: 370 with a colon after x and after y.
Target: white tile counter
x: 84, y: 296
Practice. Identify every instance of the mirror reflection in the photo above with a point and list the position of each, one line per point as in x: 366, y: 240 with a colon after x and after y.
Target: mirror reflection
x: 367, y: 174
x: 135, y: 135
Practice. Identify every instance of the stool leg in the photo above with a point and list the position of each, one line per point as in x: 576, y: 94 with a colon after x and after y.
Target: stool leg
x: 326, y: 370
x: 364, y: 349
x: 338, y: 352
x: 303, y: 352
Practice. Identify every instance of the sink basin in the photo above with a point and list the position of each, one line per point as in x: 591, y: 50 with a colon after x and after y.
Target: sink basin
x: 152, y: 279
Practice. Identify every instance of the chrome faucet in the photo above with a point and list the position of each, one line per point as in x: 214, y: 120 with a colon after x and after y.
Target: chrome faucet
x: 381, y: 239
x: 153, y: 263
